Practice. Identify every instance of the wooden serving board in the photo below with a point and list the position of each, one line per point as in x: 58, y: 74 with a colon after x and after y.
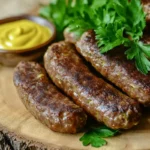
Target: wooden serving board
x: 21, y: 128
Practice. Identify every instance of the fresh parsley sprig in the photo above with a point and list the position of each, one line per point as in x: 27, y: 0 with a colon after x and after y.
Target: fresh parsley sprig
x: 95, y: 136
x: 115, y: 22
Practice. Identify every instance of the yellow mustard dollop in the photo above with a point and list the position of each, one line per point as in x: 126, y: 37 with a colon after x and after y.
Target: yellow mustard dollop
x: 22, y: 34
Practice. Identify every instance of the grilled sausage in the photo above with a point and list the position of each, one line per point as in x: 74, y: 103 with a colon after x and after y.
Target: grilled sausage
x: 45, y: 102
x: 105, y: 103
x: 115, y: 67
x: 71, y: 36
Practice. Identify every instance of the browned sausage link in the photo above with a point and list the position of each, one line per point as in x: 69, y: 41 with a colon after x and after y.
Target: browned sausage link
x: 146, y: 8
x: 97, y: 97
x: 45, y: 102
x: 115, y: 67
x: 71, y: 36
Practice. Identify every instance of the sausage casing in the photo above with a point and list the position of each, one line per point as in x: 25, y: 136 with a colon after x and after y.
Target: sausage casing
x: 71, y: 36
x: 45, y: 102
x: 101, y: 100
x: 115, y: 67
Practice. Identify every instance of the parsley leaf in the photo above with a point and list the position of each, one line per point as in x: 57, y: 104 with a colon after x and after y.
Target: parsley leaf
x: 95, y: 136
x: 64, y: 14
x: 139, y: 51
x: 142, y: 63
x: 114, y: 39
x: 93, y: 139
x: 115, y: 22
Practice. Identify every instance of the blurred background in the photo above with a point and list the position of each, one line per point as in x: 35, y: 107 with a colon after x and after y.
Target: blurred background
x: 16, y: 7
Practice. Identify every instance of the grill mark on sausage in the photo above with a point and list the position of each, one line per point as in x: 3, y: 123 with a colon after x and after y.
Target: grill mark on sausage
x: 116, y: 68
x: 45, y: 102
x: 105, y: 103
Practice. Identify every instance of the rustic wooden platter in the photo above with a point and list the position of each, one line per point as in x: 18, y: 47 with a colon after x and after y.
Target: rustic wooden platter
x: 19, y: 130
x: 22, y: 128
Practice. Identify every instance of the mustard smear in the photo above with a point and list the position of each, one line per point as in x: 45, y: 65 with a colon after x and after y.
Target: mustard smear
x: 22, y: 34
